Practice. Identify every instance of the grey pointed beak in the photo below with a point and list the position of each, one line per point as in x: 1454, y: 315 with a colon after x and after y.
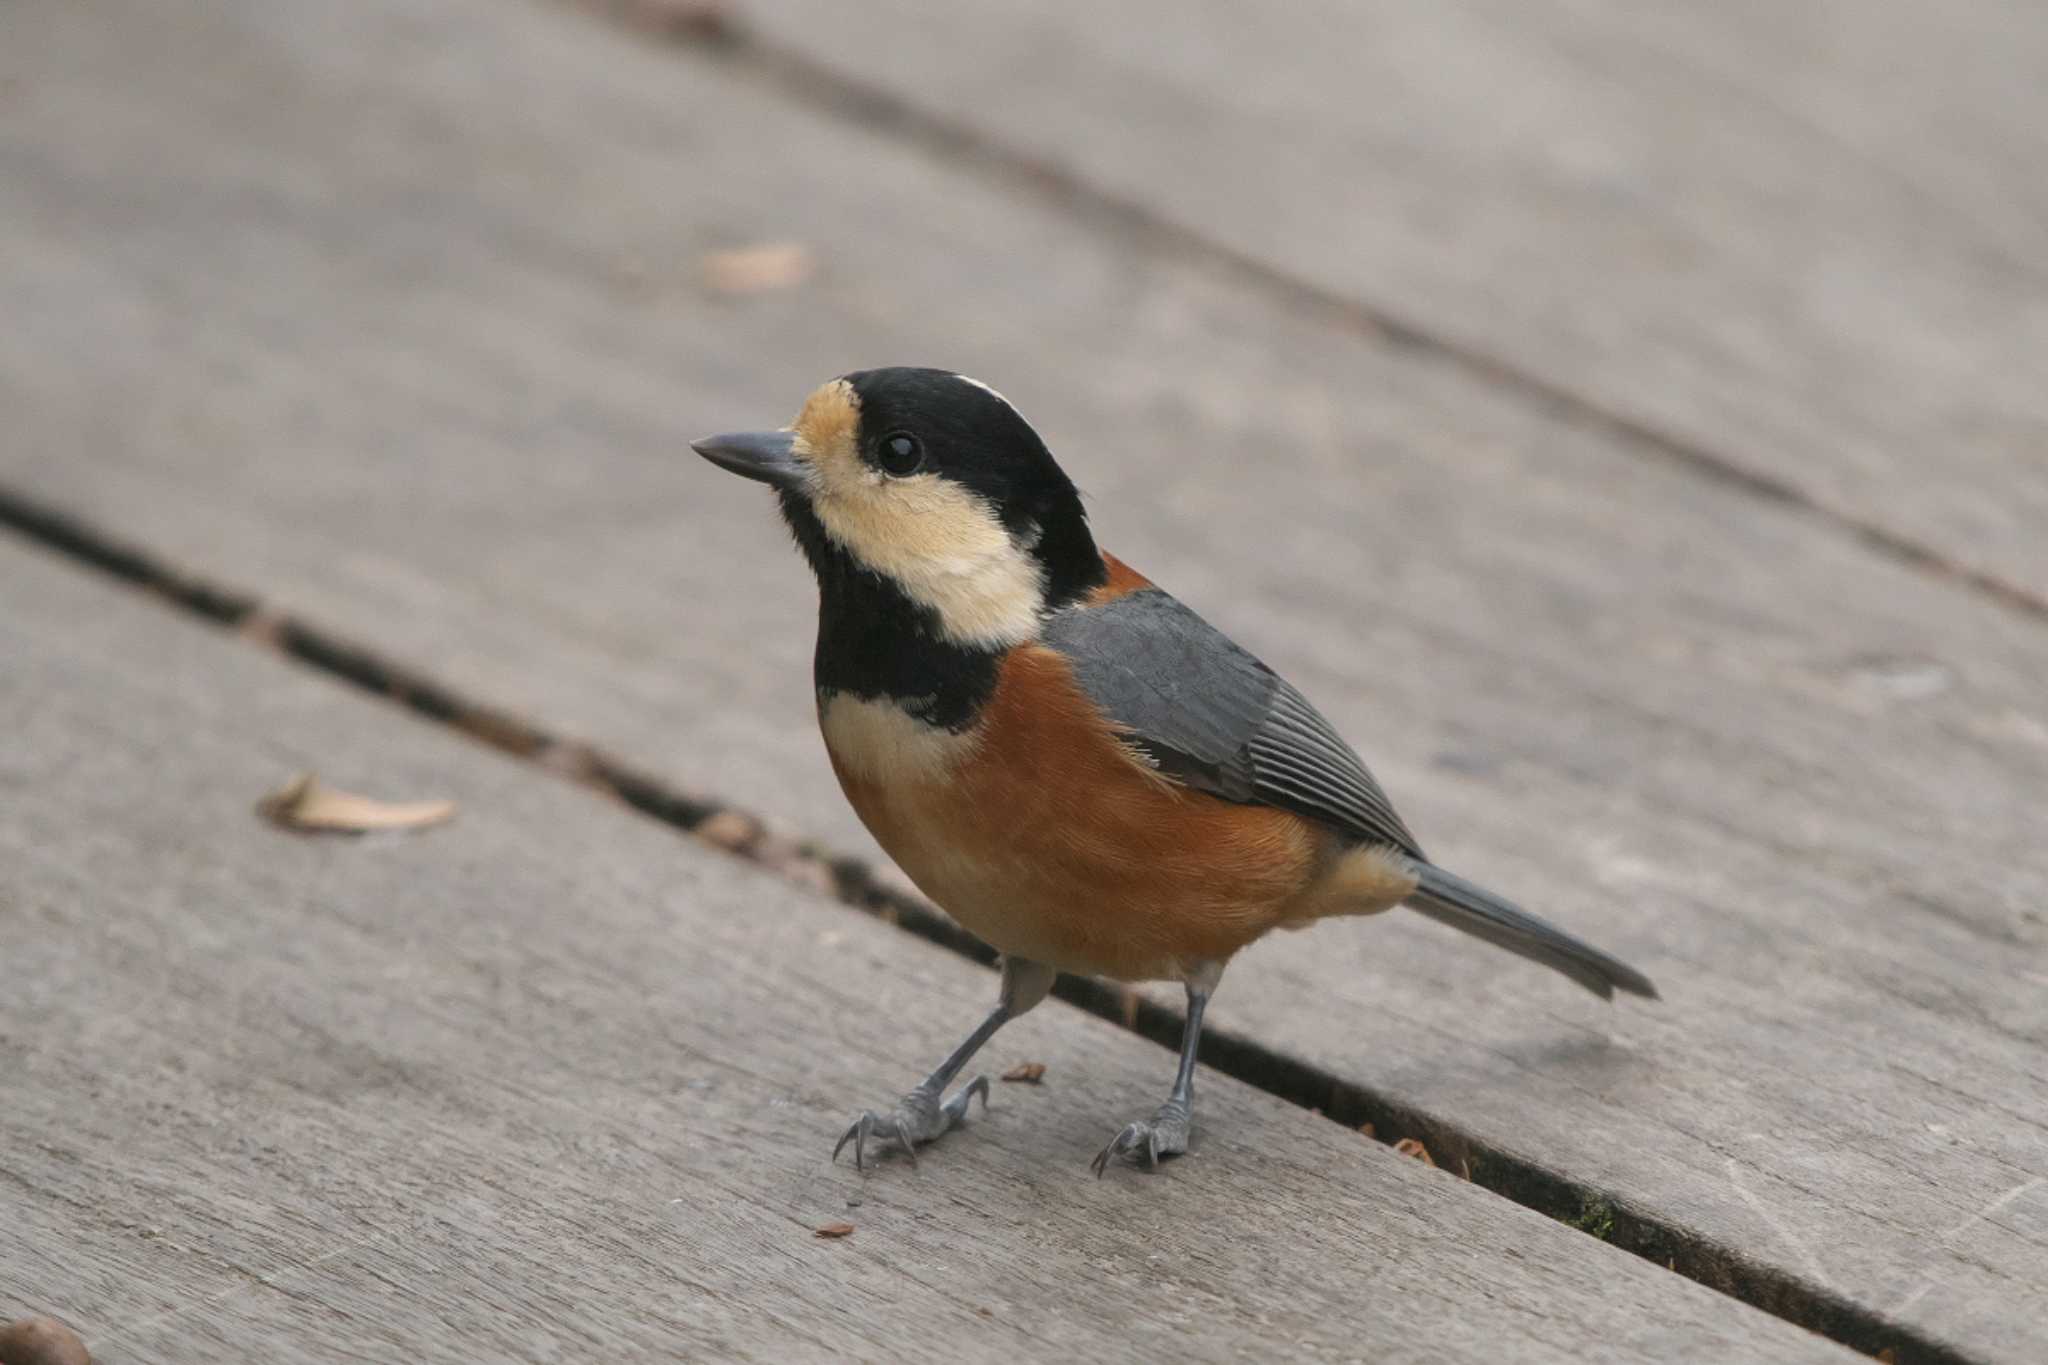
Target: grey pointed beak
x: 765, y: 456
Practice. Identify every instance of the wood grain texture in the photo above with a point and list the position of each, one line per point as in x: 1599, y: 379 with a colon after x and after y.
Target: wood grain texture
x: 391, y: 313
x: 551, y: 1082
x: 1806, y: 237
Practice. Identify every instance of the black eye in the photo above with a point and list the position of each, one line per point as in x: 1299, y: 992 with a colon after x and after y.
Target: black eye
x: 900, y: 454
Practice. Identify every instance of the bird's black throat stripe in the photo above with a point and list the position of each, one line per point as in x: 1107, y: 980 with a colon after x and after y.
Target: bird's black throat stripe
x: 874, y: 642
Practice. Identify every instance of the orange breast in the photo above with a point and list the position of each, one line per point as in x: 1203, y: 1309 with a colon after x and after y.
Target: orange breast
x: 1050, y: 839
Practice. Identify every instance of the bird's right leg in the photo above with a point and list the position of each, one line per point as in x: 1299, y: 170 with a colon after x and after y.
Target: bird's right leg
x: 922, y: 1115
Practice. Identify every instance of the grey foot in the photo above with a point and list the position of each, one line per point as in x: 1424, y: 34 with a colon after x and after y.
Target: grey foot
x: 1165, y: 1134
x: 920, y: 1117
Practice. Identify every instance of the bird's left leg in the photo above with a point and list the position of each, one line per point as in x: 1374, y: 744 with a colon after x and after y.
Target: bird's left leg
x: 1166, y: 1132
x: 922, y: 1115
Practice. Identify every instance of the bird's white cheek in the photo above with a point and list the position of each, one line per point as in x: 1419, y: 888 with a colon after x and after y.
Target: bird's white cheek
x: 946, y: 549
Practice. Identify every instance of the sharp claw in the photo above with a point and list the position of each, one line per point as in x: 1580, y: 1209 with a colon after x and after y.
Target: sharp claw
x: 846, y: 1137
x: 1143, y: 1142
x: 1121, y: 1143
x: 910, y: 1120
x: 903, y: 1136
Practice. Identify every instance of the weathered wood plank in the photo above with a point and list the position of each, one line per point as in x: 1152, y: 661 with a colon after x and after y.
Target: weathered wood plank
x: 1804, y: 237
x: 393, y: 314
x: 552, y: 1083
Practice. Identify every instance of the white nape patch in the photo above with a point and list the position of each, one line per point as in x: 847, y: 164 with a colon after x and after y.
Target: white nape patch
x: 985, y: 388
x: 878, y: 741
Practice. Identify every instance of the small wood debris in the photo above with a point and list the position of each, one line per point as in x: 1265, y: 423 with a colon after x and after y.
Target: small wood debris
x: 812, y: 875
x: 1888, y: 1356
x: 759, y: 269
x: 41, y: 1341
x: 1411, y: 1147
x: 1031, y: 1073
x: 304, y: 804
x: 729, y: 829
x: 1369, y: 1131
x: 264, y: 625
x: 704, y: 21
x: 795, y: 862
x: 573, y: 761
x: 832, y: 1232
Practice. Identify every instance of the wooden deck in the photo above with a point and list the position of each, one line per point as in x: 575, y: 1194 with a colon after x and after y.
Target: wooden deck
x: 1672, y: 449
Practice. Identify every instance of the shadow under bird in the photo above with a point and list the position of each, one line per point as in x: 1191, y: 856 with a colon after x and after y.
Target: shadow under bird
x: 1076, y: 767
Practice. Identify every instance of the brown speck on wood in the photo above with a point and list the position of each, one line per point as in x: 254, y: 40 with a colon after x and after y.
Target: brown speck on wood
x: 573, y: 761
x: 1369, y: 1131
x: 777, y: 851
x: 1031, y: 1073
x: 1888, y: 1356
x: 811, y: 874
x: 1411, y: 1147
x: 731, y: 830
x: 41, y: 1341
x: 834, y: 1231
x: 704, y: 21
x: 263, y: 625
x: 501, y: 731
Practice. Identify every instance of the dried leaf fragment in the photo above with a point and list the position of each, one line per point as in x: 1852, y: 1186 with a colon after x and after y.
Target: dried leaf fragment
x: 1411, y: 1147
x: 304, y: 804
x: 41, y: 1341
x: 1031, y: 1073
x: 832, y: 1232
x: 758, y: 269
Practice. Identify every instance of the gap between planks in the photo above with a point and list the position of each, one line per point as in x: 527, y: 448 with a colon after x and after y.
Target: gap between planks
x: 709, y: 26
x: 852, y: 882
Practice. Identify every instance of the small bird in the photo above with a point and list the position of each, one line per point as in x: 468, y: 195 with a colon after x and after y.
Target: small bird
x: 1079, y: 769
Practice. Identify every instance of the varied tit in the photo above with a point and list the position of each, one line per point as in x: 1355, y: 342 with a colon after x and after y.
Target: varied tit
x: 1076, y: 767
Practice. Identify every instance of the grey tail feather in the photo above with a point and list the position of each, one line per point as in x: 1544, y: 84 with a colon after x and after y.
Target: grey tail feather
x: 1454, y: 901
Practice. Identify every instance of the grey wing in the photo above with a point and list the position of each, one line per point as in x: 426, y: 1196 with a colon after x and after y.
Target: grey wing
x: 1212, y: 716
